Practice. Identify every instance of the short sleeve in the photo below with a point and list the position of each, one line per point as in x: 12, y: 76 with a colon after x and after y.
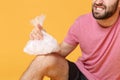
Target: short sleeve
x: 71, y: 37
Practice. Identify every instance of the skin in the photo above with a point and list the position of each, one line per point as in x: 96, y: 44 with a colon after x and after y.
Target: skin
x: 55, y: 65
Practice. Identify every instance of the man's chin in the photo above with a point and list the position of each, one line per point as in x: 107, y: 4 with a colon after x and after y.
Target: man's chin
x: 99, y: 16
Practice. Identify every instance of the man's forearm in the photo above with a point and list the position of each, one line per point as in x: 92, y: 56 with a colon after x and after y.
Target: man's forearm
x: 65, y: 49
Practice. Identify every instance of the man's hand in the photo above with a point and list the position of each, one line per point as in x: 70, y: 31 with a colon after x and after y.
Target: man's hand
x: 36, y: 33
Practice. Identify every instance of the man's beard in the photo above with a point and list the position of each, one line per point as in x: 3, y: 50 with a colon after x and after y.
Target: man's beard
x: 109, y: 11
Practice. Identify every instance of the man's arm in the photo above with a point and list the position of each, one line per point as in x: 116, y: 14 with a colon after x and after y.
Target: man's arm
x: 65, y: 49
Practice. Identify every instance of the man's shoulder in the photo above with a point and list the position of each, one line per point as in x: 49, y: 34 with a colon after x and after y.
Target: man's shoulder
x: 85, y: 17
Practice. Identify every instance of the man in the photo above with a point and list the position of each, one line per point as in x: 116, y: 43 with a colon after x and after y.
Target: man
x: 98, y: 35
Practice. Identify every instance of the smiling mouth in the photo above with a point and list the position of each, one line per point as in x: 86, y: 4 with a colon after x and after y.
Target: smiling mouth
x: 99, y: 8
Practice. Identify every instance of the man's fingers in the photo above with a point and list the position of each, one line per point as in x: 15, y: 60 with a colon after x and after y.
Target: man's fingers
x: 36, y: 34
x: 31, y: 37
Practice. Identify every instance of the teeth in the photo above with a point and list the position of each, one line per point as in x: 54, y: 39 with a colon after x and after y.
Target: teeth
x: 99, y: 9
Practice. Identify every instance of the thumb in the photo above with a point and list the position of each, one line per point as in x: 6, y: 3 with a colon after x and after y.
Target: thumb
x: 39, y: 27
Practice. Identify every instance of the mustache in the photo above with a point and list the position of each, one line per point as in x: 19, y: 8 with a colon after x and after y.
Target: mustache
x: 99, y: 5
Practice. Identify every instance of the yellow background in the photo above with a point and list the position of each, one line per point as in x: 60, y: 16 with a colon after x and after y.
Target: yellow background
x: 15, y: 16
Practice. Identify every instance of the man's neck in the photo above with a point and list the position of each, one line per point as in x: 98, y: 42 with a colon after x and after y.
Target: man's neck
x: 110, y: 21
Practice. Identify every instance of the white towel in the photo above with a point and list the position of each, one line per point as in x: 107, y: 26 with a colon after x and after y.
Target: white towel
x: 45, y: 46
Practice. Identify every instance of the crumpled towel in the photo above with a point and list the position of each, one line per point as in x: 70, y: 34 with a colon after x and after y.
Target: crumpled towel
x: 46, y: 45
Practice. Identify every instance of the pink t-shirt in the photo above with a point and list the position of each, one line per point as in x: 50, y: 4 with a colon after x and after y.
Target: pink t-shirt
x: 100, y: 47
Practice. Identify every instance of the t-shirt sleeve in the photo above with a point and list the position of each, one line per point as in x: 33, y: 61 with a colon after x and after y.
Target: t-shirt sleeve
x: 71, y: 37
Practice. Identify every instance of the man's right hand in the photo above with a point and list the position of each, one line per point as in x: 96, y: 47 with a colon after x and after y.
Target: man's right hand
x: 36, y: 33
